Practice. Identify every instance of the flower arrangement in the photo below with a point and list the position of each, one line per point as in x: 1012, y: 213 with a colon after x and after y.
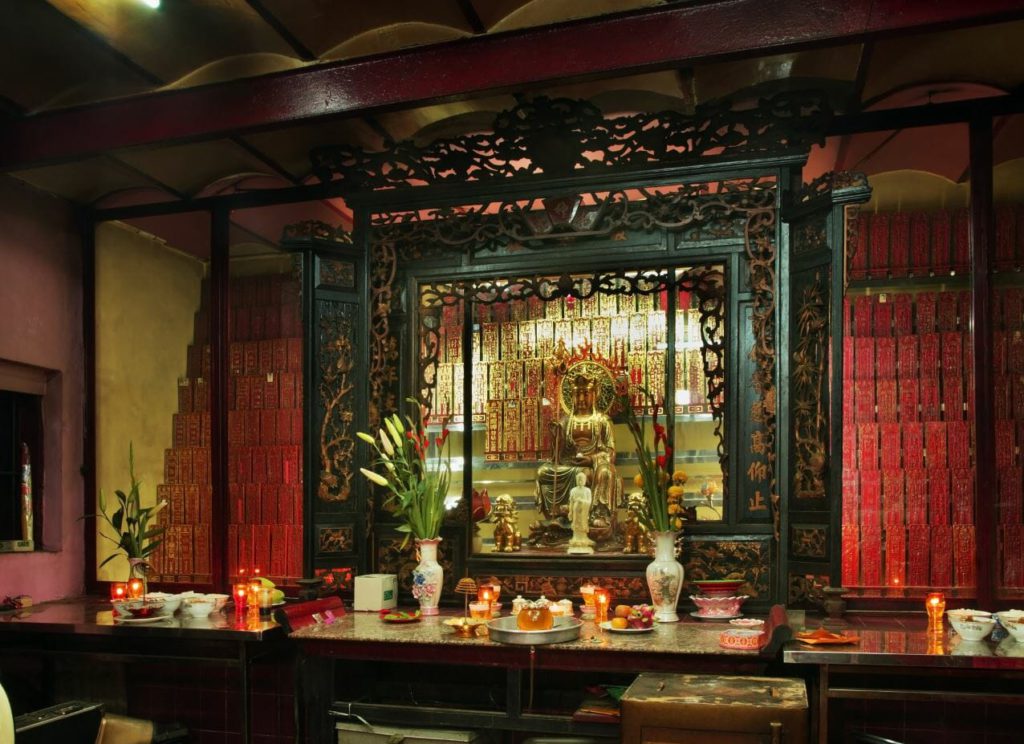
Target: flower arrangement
x: 131, y: 521
x: 415, y: 470
x: 663, y: 492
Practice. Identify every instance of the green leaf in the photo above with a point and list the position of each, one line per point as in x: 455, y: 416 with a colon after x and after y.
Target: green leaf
x: 117, y: 519
x: 107, y: 560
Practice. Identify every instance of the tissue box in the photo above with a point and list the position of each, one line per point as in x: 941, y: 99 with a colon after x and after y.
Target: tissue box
x: 376, y: 592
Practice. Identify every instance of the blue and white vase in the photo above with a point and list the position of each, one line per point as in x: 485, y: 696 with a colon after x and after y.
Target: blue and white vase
x: 427, y: 577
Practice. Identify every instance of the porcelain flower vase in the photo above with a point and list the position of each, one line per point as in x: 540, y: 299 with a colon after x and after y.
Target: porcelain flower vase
x: 665, y: 577
x: 427, y: 577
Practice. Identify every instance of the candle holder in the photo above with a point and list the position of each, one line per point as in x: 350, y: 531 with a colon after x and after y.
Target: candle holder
x: 480, y: 610
x: 241, y: 592
x: 136, y: 589
x: 118, y: 590
x: 587, y: 592
x: 601, y: 601
x: 935, y: 606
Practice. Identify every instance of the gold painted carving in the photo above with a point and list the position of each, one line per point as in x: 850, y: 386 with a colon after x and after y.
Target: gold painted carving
x: 808, y: 376
x: 337, y: 445
x: 761, y: 255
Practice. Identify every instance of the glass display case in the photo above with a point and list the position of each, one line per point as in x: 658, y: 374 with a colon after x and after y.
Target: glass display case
x: 531, y: 390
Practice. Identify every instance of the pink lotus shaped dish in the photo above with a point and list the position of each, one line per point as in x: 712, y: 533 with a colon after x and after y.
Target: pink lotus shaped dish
x: 718, y: 606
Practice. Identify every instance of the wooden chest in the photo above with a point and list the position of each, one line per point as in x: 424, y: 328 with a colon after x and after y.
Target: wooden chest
x: 711, y: 709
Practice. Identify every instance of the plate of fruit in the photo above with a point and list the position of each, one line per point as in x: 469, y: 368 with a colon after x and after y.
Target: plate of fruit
x: 399, y: 616
x: 631, y: 619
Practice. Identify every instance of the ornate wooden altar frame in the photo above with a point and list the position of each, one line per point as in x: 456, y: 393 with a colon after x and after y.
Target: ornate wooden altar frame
x: 468, y: 217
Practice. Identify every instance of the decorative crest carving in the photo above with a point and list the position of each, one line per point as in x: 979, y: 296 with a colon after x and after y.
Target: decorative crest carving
x: 560, y: 137
x: 316, y: 230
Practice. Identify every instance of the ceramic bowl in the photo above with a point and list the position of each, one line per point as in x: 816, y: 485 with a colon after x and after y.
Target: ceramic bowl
x: 975, y: 629
x: 197, y: 606
x: 1006, y: 617
x: 139, y: 609
x: 1015, y: 629
x: 171, y: 602
x: 719, y: 588
x: 219, y: 600
x: 751, y: 623
x: 718, y: 606
x: 966, y: 614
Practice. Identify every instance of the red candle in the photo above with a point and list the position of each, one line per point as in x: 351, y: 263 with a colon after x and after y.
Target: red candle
x: 118, y: 590
x: 135, y: 589
x: 241, y: 592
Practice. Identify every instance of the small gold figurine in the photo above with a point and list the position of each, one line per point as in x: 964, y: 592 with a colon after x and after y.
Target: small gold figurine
x: 506, y: 524
x: 634, y: 528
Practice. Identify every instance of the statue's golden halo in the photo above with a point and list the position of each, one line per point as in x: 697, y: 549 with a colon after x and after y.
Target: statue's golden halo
x: 596, y: 372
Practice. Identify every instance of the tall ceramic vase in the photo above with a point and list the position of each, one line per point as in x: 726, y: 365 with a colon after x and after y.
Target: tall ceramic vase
x: 427, y: 577
x: 665, y: 577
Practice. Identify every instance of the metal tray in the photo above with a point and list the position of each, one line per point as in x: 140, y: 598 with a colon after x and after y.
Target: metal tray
x: 505, y: 630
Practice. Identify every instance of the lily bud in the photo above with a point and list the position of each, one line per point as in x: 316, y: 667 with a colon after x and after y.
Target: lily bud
x: 386, y: 444
x: 377, y: 478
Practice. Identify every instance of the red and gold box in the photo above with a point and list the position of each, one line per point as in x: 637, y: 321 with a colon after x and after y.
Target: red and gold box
x: 941, y: 573
x: 918, y: 554
x: 851, y: 554
x: 916, y: 490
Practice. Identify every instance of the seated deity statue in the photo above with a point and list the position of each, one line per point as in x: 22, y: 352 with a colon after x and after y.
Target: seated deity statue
x: 580, y: 501
x: 583, y: 443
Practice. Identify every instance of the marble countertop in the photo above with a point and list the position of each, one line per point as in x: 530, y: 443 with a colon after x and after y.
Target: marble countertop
x: 93, y: 616
x: 671, y: 639
x: 906, y: 641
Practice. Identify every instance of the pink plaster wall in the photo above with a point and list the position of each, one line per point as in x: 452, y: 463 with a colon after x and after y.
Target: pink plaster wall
x: 41, y: 325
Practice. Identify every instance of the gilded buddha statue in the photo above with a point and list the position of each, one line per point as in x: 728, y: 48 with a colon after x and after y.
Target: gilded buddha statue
x: 583, y: 442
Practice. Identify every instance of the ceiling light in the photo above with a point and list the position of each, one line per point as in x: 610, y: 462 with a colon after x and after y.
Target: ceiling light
x: 154, y: 4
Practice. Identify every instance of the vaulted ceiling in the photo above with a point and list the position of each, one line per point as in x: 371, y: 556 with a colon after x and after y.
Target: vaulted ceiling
x: 91, y: 86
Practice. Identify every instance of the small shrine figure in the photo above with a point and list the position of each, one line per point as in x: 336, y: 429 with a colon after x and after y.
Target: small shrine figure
x: 634, y: 531
x: 580, y: 500
x: 506, y: 524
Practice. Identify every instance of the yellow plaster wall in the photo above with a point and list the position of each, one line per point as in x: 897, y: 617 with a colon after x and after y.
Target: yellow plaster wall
x: 146, y: 296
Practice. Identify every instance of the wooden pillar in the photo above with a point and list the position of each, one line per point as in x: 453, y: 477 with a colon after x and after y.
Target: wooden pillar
x: 982, y: 238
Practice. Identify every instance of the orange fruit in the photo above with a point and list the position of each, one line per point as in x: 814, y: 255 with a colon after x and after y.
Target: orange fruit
x: 623, y: 610
x: 620, y: 623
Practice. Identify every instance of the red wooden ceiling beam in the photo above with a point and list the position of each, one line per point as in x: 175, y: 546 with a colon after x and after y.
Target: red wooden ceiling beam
x: 484, y: 64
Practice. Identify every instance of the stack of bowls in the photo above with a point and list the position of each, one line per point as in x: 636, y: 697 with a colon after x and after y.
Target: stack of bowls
x: 718, y: 599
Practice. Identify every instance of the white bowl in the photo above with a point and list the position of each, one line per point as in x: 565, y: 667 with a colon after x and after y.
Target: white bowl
x: 219, y: 600
x: 1010, y: 616
x: 976, y: 629
x: 965, y: 614
x: 197, y: 606
x: 171, y: 602
x: 1015, y: 629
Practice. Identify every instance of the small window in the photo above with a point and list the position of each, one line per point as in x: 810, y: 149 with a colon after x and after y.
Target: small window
x: 20, y: 461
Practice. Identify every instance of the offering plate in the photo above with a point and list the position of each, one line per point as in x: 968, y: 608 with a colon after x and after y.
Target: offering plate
x: 506, y: 630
